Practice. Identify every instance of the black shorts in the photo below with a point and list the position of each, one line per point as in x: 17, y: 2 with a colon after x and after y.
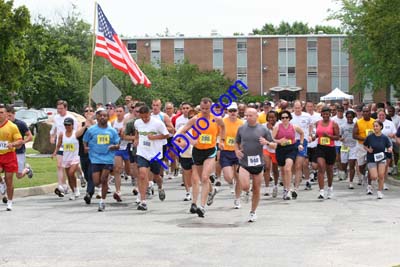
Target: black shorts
x: 154, y: 165
x: 186, y: 163
x: 228, y: 158
x: 285, y: 152
x: 253, y: 170
x: 311, y: 152
x: 326, y: 152
x: 200, y: 155
x: 100, y: 167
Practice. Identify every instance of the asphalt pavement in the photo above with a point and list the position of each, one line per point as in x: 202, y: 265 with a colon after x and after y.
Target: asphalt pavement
x: 352, y: 229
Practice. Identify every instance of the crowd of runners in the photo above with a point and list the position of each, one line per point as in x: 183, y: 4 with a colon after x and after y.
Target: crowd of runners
x: 298, y: 144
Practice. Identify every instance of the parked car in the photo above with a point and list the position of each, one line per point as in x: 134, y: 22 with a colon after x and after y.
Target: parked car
x: 50, y: 112
x: 31, y: 117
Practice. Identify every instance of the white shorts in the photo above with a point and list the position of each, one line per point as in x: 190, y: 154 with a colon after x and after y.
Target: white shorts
x: 349, y: 155
x: 69, y: 163
x: 361, y: 155
x: 21, y: 162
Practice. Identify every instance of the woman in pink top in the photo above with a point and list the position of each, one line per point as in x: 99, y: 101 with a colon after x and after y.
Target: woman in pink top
x: 325, y: 153
x: 286, y: 151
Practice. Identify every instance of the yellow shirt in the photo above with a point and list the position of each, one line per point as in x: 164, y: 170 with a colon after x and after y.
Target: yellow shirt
x: 262, y: 118
x: 208, y: 136
x: 8, y: 133
x: 365, y: 128
x: 231, y: 129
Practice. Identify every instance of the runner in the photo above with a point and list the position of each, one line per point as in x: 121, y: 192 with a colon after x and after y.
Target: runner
x: 376, y: 144
x: 249, y: 143
x: 150, y: 137
x: 348, y: 150
x: 101, y: 140
x: 204, y: 153
x: 112, y: 115
x: 340, y: 120
x: 270, y: 156
x: 70, y: 160
x: 10, y: 139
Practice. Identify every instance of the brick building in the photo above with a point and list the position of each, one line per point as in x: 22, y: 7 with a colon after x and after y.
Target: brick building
x: 282, y: 66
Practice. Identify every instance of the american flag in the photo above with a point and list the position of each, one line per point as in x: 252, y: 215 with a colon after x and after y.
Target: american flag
x: 109, y: 46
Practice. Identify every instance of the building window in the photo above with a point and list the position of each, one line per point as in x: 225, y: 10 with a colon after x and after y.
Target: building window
x: 132, y: 48
x: 218, y: 54
x: 179, y: 54
x: 340, y: 64
x: 287, y: 62
x: 242, y: 60
x: 156, y: 53
x: 312, y: 65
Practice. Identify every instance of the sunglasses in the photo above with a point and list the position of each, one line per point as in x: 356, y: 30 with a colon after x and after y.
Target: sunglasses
x: 232, y: 110
x: 284, y: 117
x: 67, y: 124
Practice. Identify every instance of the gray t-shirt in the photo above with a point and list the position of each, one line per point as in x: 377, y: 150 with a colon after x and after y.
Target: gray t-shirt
x: 248, y: 137
x: 346, y: 131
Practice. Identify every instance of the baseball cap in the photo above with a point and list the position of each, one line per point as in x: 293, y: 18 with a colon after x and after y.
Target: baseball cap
x: 233, y: 105
x: 99, y: 110
x: 68, y: 121
x: 110, y: 104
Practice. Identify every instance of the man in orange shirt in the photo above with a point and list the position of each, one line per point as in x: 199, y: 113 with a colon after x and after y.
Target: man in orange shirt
x: 10, y: 138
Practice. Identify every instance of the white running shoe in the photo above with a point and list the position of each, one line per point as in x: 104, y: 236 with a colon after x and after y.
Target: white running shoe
x: 369, y: 190
x: 252, y: 217
x: 379, y: 195
x: 3, y: 188
x: 330, y: 193
x: 72, y: 196
x: 385, y: 187
x: 9, y: 206
x: 188, y: 197
x: 236, y: 204
x: 275, y: 191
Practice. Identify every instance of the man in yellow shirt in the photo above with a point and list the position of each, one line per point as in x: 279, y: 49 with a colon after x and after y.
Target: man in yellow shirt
x: 10, y: 138
x: 262, y: 117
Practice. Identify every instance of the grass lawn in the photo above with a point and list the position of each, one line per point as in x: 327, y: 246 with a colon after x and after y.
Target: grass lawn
x: 44, y: 171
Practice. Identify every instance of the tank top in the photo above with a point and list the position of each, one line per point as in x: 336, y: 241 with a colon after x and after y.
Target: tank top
x: 117, y: 126
x: 271, y: 150
x: 231, y: 129
x: 288, y: 133
x: 325, y: 141
x: 71, y: 148
x: 365, y: 128
x: 207, y: 136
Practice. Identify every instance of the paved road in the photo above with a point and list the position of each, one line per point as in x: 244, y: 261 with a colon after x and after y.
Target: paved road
x: 350, y: 230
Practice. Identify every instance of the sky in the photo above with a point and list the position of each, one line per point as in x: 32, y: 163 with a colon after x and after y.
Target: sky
x: 132, y: 18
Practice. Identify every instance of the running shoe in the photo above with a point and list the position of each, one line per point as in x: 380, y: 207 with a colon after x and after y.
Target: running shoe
x: 330, y: 193
x: 149, y: 192
x: 211, y: 196
x: 193, y: 208
x: 29, y: 173
x: 111, y: 180
x: 286, y: 195
x: 321, y: 194
x: 308, y: 186
x: 102, y: 206
x: 369, y: 190
x: 351, y: 186
x: 117, y: 197
x: 142, y: 206
x: 213, y: 178
x: 252, y: 217
x: 188, y: 197
x: 274, y: 191
x: 72, y: 196
x: 236, y: 204
x: 385, y: 187
x: 379, y: 195
x: 161, y: 194
x: 217, y: 182
x: 58, y: 192
x: 200, y: 211
x: 294, y: 194
x: 5, y: 199
x: 3, y: 188
x: 135, y: 191
x: 176, y: 172
x: 87, y: 198
x: 9, y: 206
x: 246, y: 197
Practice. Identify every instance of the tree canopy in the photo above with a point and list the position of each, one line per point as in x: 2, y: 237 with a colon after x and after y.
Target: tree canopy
x: 294, y: 28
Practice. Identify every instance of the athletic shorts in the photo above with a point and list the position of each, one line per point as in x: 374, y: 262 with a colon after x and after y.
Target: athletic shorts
x: 200, y: 155
x: 311, y: 152
x: 337, y: 149
x: 8, y: 162
x: 286, y: 152
x: 21, y: 159
x: 69, y: 163
x: 345, y: 156
x: 124, y: 154
x: 271, y: 155
x: 253, y: 170
x: 228, y: 158
x: 154, y: 166
x: 302, y: 153
x: 100, y: 167
x: 186, y: 163
x: 371, y: 165
x: 60, y: 152
x: 389, y: 155
x: 361, y: 154
x: 165, y: 147
x: 326, y: 152
x: 395, y: 147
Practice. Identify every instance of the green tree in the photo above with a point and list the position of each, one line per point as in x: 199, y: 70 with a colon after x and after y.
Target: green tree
x: 296, y: 27
x: 13, y: 25
x: 373, y: 41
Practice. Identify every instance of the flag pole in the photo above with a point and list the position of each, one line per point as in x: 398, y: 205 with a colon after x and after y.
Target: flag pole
x: 91, y: 65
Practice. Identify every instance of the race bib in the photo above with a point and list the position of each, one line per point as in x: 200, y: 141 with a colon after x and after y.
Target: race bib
x: 345, y: 149
x: 103, y: 139
x: 379, y: 156
x: 230, y: 141
x: 253, y: 161
x: 3, y: 145
x: 287, y: 142
x: 69, y: 147
x: 205, y: 139
x: 368, y: 132
x: 324, y: 141
x: 146, y: 143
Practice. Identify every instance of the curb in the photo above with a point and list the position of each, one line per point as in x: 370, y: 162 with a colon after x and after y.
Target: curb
x: 392, y: 181
x: 34, y: 191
